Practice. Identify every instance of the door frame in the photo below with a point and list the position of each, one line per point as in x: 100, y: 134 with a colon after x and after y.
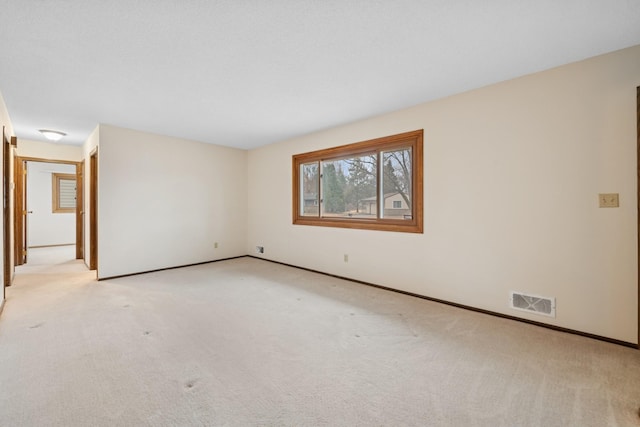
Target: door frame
x: 19, y: 214
x: 20, y: 223
x: 638, y: 200
x: 6, y: 211
x: 93, y: 210
x: 80, y: 210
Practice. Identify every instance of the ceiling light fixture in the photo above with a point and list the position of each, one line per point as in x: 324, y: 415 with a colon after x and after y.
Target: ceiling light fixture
x: 52, y: 135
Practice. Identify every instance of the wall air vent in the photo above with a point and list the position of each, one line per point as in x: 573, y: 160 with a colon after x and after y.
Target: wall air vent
x: 533, y: 303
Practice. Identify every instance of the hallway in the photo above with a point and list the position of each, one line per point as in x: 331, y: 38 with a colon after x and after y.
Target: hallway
x: 50, y: 260
x: 48, y: 275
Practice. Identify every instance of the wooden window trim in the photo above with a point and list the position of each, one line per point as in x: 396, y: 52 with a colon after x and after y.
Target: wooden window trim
x: 55, y: 199
x: 412, y: 139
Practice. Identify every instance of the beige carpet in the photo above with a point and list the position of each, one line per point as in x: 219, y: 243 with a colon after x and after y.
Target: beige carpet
x: 251, y: 343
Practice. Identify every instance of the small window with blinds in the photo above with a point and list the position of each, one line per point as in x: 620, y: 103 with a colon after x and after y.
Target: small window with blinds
x: 64, y: 193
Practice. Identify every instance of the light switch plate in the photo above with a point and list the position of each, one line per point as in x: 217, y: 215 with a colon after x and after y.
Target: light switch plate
x: 609, y: 200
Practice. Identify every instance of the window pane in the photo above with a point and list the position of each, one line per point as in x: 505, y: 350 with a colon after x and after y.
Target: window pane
x: 63, y: 193
x: 396, y: 184
x: 369, y: 185
x: 349, y: 187
x: 310, y: 188
x: 67, y: 194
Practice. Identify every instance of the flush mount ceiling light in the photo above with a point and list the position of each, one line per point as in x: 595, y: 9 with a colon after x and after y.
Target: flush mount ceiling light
x: 53, y: 135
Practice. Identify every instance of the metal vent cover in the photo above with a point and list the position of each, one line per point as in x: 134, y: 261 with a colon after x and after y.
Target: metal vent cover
x: 533, y: 303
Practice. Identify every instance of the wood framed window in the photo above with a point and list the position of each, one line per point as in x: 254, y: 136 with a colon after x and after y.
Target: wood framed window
x: 373, y: 185
x: 63, y: 192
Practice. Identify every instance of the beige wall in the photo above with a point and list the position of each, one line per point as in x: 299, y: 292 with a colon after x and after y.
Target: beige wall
x: 512, y: 175
x: 49, y: 151
x: 164, y: 202
x: 5, y: 120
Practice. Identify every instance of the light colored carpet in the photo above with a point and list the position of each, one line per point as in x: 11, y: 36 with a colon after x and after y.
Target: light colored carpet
x: 251, y: 343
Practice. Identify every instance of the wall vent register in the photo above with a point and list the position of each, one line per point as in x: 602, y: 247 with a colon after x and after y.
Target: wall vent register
x: 533, y: 303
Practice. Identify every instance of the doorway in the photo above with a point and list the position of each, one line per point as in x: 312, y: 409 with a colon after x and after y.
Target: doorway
x: 47, y: 206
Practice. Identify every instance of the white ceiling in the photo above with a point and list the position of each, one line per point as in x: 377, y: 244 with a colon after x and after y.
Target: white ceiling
x: 246, y: 73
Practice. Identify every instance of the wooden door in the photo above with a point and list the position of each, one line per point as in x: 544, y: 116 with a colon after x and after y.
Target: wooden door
x: 93, y: 211
x: 20, y: 212
x: 80, y: 210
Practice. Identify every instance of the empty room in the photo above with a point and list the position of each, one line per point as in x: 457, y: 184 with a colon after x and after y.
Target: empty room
x: 337, y: 213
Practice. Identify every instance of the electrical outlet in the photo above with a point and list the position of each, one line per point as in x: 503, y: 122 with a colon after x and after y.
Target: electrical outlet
x: 215, y: 245
x: 259, y: 249
x: 346, y: 258
x: 609, y: 200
